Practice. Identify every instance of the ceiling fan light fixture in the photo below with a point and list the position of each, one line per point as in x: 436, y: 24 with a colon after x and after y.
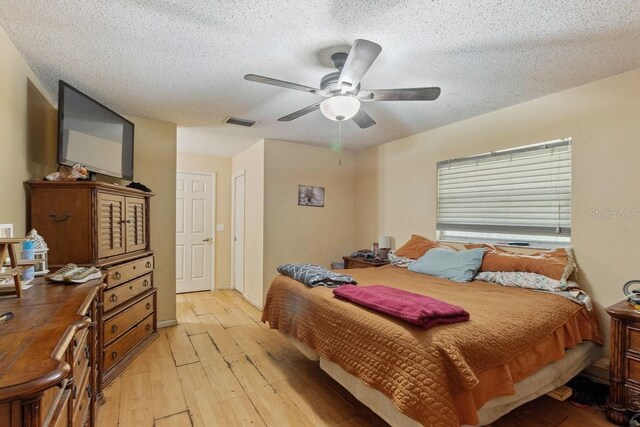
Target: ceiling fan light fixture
x: 340, y: 107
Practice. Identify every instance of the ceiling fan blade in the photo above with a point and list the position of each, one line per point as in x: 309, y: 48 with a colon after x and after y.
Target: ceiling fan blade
x: 407, y: 94
x: 363, y: 120
x: 361, y: 56
x: 281, y: 83
x: 295, y: 115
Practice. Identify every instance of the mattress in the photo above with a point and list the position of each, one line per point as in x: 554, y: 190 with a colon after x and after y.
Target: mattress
x: 541, y: 382
x: 444, y: 375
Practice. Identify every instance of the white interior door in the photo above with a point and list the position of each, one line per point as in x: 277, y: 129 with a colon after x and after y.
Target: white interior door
x: 238, y: 233
x: 194, y: 234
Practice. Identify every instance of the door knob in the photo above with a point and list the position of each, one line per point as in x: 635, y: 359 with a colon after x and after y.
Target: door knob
x: 208, y: 239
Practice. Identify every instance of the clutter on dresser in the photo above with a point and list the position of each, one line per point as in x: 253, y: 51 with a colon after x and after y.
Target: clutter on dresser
x: 11, y: 277
x: 631, y: 291
x: 73, y: 274
x: 77, y: 173
x: 139, y: 186
x: 40, y: 253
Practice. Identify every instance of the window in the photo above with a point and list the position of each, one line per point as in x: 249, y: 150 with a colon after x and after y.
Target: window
x: 515, y: 195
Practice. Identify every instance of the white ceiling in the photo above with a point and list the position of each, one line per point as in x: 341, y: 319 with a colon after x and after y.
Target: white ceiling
x: 184, y: 62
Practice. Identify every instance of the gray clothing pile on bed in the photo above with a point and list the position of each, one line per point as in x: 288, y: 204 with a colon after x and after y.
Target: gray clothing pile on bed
x: 314, y: 275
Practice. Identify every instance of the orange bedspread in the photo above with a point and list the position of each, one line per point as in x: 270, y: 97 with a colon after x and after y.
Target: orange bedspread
x: 441, y: 376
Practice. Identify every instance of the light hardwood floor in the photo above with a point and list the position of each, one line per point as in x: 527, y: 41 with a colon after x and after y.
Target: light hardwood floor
x: 222, y: 367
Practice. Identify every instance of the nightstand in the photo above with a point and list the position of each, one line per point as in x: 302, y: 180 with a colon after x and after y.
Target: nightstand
x: 624, y: 368
x: 359, y: 262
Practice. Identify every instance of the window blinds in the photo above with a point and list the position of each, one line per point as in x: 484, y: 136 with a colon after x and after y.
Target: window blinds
x: 525, y: 191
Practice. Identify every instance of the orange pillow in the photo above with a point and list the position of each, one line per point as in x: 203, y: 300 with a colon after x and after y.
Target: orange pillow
x: 417, y: 246
x: 555, y: 264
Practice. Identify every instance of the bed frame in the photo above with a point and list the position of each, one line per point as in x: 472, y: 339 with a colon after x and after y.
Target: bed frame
x: 543, y: 381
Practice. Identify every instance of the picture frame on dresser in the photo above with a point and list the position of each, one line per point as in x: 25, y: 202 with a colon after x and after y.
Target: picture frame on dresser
x: 105, y: 225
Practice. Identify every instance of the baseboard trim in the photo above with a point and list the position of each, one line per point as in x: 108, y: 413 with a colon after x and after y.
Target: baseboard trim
x: 167, y: 323
x: 252, y: 302
x: 222, y: 288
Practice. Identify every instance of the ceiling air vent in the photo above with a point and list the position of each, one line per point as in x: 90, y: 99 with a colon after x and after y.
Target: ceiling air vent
x: 240, y: 122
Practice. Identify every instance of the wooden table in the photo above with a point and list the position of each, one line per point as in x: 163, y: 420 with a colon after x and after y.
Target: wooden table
x: 360, y: 262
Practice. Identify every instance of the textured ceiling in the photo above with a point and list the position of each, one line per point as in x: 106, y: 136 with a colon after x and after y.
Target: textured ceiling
x: 184, y: 62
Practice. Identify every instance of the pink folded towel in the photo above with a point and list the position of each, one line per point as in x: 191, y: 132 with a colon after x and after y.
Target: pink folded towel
x: 419, y: 310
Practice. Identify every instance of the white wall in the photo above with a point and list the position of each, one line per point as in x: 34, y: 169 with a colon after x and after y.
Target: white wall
x: 251, y: 161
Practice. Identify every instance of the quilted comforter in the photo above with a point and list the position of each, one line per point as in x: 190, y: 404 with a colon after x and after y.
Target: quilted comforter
x: 441, y: 376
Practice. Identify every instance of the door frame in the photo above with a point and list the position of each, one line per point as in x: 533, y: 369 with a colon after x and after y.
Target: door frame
x: 213, y: 221
x: 235, y: 175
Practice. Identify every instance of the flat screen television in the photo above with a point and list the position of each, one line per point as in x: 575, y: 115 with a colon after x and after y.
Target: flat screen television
x: 93, y: 135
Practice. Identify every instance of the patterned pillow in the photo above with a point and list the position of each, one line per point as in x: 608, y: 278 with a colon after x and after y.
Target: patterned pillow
x: 537, y: 282
x: 519, y: 279
x: 399, y: 261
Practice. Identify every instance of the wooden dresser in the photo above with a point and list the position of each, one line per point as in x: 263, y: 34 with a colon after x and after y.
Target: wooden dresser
x: 624, y: 368
x: 106, y: 225
x: 48, y: 363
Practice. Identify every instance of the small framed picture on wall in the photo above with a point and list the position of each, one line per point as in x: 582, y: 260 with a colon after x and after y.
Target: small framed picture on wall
x: 6, y: 231
x: 309, y: 195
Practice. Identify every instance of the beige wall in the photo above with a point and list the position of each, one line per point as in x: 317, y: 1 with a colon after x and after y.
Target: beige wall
x: 251, y: 162
x: 28, y: 143
x: 221, y: 166
x: 28, y: 140
x: 155, y: 144
x: 301, y: 233
x: 279, y: 231
x: 396, y: 183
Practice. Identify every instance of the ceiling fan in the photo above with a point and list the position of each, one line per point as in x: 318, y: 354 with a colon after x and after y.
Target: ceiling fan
x: 342, y: 88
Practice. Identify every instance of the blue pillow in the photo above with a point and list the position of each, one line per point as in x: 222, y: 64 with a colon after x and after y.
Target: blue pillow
x: 457, y: 266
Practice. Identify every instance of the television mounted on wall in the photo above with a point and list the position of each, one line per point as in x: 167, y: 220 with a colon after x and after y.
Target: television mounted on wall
x: 93, y: 135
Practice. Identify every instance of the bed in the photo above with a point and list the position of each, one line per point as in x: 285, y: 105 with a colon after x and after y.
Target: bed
x: 518, y: 345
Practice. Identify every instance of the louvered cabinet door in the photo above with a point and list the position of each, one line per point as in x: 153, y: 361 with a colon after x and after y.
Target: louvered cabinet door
x: 111, y: 225
x: 136, y: 231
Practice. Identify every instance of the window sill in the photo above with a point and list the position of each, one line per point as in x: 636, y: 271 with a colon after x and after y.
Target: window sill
x: 501, y: 244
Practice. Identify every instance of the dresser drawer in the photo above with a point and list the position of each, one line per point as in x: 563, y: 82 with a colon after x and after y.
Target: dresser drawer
x: 633, y: 369
x: 633, y: 338
x: 82, y: 362
x: 117, y: 295
x: 77, y: 343
x: 123, y: 321
x: 632, y: 398
x: 51, y: 399
x: 60, y: 415
x: 81, y: 401
x: 116, y: 351
x: 124, y: 272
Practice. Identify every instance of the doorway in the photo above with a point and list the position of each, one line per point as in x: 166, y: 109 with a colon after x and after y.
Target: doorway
x: 195, y: 244
x: 238, y: 231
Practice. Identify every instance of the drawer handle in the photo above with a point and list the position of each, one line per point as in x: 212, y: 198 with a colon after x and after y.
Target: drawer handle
x: 113, y: 298
x: 117, y: 275
x: 148, y: 306
x: 54, y: 217
x: 114, y: 354
x: 145, y: 283
x: 114, y: 329
x: 148, y: 264
x: 147, y: 327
